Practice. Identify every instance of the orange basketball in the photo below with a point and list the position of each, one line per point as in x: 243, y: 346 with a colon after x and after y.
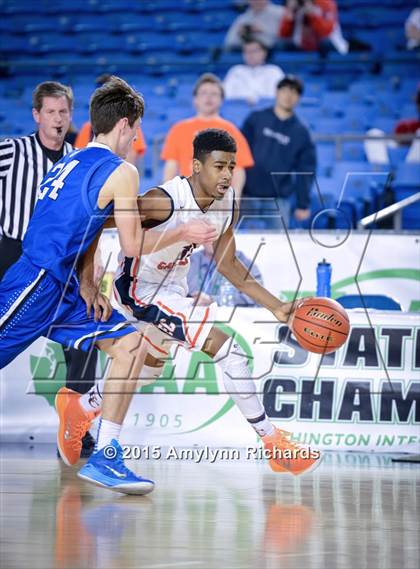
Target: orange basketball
x: 320, y: 325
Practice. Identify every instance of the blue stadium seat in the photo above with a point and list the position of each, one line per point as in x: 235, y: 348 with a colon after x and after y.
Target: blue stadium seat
x: 95, y: 23
x: 325, y: 158
x: 337, y: 100
x: 127, y: 22
x: 327, y: 125
x: 174, y: 22
x: 147, y: 42
x: 407, y: 175
x: 357, y: 186
x: 15, y: 45
x: 376, y: 301
x: 192, y: 42
x: 235, y: 111
x: 353, y: 151
x: 397, y: 155
x: 56, y: 44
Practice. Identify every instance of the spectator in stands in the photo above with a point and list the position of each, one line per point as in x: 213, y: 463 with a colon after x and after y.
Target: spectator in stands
x: 205, y: 282
x: 255, y: 79
x: 282, y: 149
x: 377, y: 150
x: 312, y: 25
x: 412, y: 29
x: 177, y: 149
x: 24, y: 162
x: 85, y: 134
x: 261, y: 21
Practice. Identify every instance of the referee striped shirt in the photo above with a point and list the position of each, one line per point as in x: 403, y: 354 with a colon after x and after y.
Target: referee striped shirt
x: 23, y: 164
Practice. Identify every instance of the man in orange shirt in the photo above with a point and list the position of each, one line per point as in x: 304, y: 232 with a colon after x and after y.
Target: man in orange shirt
x: 178, y: 146
x: 85, y: 134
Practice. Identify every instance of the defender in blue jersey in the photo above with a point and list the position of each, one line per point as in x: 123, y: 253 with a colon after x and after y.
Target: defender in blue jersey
x: 49, y: 291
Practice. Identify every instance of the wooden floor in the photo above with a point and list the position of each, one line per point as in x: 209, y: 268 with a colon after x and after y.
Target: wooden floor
x: 355, y: 511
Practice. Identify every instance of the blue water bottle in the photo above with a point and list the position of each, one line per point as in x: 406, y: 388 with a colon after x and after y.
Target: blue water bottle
x: 226, y: 296
x: 323, y: 279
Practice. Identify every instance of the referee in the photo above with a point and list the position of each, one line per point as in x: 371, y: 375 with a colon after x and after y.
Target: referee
x: 24, y: 162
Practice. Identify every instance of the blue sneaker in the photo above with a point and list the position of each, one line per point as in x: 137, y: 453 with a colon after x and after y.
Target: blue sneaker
x: 106, y: 468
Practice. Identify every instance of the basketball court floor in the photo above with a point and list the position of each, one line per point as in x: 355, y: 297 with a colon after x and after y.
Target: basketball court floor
x: 354, y: 511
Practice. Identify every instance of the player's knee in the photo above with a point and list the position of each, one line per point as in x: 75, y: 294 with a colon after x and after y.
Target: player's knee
x: 123, y: 348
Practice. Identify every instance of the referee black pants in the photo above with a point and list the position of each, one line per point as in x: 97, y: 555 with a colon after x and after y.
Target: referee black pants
x: 81, y: 366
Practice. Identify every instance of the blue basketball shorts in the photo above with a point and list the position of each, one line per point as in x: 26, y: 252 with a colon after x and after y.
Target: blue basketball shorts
x: 34, y: 304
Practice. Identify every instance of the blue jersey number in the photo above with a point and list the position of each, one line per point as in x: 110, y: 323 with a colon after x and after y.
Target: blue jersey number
x: 54, y: 183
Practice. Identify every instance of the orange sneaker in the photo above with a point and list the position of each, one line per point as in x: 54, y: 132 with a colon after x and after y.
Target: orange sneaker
x: 74, y: 422
x: 287, y: 456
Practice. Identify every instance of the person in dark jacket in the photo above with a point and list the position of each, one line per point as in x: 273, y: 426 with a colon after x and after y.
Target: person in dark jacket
x: 285, y: 162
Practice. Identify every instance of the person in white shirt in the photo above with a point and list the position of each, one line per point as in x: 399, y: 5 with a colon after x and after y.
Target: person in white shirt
x: 255, y: 79
x: 261, y: 21
x: 412, y: 29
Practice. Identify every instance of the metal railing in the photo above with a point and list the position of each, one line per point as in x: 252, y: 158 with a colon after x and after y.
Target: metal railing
x: 394, y: 209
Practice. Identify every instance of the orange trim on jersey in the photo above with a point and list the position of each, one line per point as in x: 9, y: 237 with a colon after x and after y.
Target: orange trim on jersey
x: 201, y: 327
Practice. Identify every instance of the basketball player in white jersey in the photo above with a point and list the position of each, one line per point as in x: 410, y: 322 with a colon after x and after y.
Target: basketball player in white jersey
x: 153, y: 288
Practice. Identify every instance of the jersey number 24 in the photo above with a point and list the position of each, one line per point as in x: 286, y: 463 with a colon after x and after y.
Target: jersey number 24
x: 54, y: 183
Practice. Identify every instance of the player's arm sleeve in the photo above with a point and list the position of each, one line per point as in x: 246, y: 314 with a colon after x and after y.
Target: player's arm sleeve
x: 306, y: 163
x: 7, y: 152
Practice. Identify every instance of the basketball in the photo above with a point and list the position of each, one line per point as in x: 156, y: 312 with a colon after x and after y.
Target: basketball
x: 320, y: 325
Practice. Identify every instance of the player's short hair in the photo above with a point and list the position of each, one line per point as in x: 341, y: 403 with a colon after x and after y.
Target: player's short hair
x: 291, y: 81
x: 212, y: 139
x: 51, y: 89
x: 113, y: 101
x: 102, y: 79
x: 208, y: 78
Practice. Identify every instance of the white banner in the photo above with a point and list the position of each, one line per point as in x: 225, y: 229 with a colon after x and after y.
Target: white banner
x: 366, y: 397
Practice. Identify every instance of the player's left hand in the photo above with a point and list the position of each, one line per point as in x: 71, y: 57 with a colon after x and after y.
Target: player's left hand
x: 95, y: 301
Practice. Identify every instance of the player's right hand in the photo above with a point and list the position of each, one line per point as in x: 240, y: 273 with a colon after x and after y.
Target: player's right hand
x: 199, y: 231
x: 96, y: 302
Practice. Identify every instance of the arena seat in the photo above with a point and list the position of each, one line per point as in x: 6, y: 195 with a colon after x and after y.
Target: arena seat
x: 407, y: 176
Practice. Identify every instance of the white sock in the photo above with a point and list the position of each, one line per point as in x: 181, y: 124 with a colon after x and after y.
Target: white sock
x: 241, y: 387
x: 92, y: 400
x: 106, y: 432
